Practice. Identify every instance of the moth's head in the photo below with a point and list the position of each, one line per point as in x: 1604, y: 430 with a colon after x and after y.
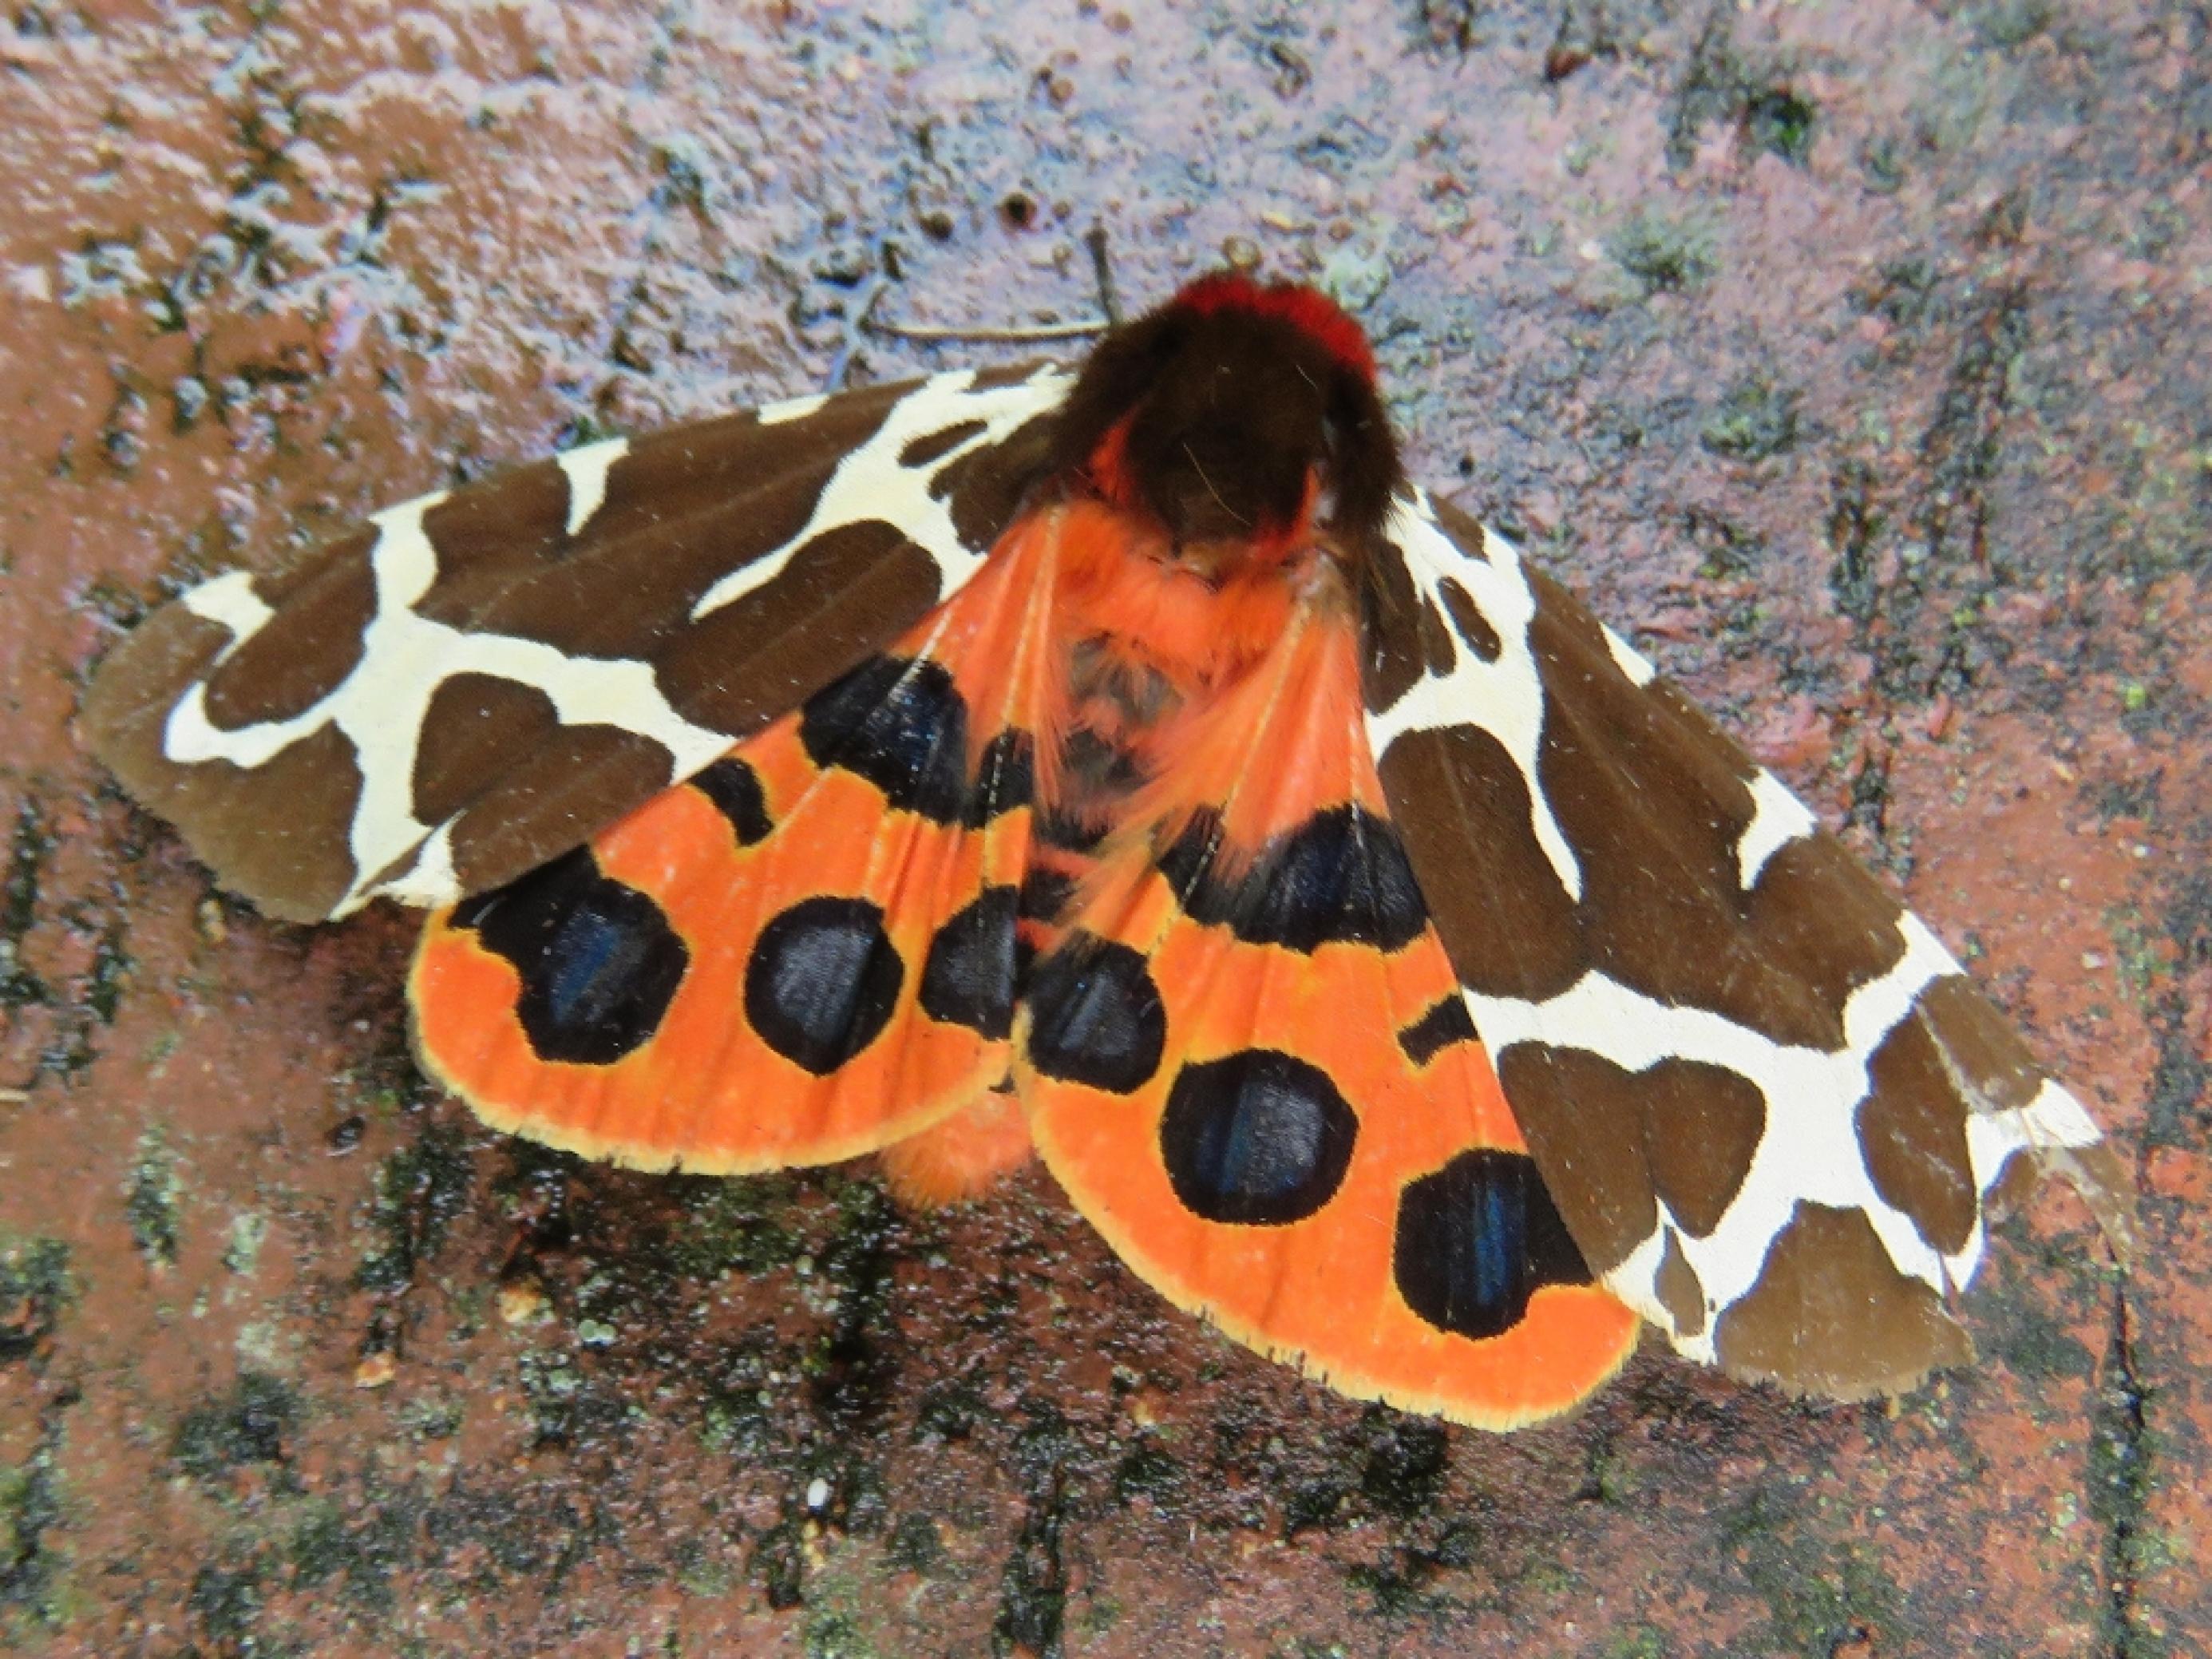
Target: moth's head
x: 1238, y: 414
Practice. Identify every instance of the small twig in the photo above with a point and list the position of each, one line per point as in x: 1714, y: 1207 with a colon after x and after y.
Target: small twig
x: 1110, y: 302
x: 1109, y: 305
x: 989, y: 335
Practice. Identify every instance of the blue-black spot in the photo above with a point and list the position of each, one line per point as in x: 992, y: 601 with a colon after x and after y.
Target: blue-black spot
x: 1342, y: 876
x: 1069, y: 831
x: 901, y: 724
x: 1446, y: 1022
x: 1476, y: 1239
x: 735, y: 789
x: 1095, y: 1017
x: 598, y: 962
x: 1046, y: 893
x: 1006, y: 778
x: 822, y: 981
x: 968, y: 978
x: 1258, y: 1136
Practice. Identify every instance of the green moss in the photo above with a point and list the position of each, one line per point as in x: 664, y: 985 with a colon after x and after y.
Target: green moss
x: 947, y: 1411
x: 34, y: 1288
x: 741, y: 1224
x: 2124, y: 1474
x: 1780, y: 120
x: 420, y: 1189
x: 432, y: 1416
x: 914, y: 1546
x: 779, y: 1562
x: 241, y: 1251
x: 2006, y: 24
x: 248, y: 1425
x: 110, y: 973
x: 1820, y: 1591
x: 1610, y: 1478
x: 1033, y: 1589
x: 19, y: 906
x: 227, y: 1601
x: 1313, y: 1505
x: 1902, y: 291
x: 1756, y: 419
x: 1148, y: 1472
x: 149, y: 1202
x: 1881, y: 161
x: 30, y: 1505
x: 702, y: 1571
x: 1661, y: 253
x: 739, y: 1415
x: 320, y: 1547
x: 1401, y: 1584
x: 569, y: 1405
x: 1407, y: 1460
x: 834, y: 1635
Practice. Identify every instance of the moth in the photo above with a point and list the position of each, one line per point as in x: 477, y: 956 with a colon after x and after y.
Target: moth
x: 1127, y: 766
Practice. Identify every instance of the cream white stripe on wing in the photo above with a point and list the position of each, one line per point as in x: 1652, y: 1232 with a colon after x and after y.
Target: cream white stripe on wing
x: 1505, y: 697
x: 1810, y: 1148
x: 229, y: 600
x: 381, y: 704
x: 586, y: 469
x: 871, y: 486
x: 1778, y: 817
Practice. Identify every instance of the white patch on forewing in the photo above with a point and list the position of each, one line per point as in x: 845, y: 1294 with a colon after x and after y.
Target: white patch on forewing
x: 1628, y: 660
x: 586, y: 469
x: 1504, y: 698
x: 1778, y: 817
x: 230, y: 600
x: 429, y: 878
x: 870, y: 486
x: 381, y: 707
x: 790, y: 409
x: 1810, y: 1149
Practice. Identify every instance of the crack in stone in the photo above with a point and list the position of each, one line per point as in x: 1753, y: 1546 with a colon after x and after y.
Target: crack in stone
x: 2120, y: 1467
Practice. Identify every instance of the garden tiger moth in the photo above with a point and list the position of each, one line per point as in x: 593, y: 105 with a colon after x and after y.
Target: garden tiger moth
x: 1129, y: 762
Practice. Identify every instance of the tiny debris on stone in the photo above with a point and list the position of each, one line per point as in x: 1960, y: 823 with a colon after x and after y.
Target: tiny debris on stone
x: 375, y: 1370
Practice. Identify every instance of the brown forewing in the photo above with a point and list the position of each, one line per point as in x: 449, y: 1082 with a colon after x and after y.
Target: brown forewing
x: 1747, y: 1073
x: 308, y: 813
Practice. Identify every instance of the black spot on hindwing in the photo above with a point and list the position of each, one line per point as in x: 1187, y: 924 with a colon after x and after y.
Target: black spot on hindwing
x: 1005, y: 779
x: 1342, y: 876
x: 598, y: 962
x: 1046, y: 893
x: 1259, y: 1137
x: 1446, y: 1022
x: 735, y: 789
x: 1476, y: 1239
x: 824, y: 979
x: 1096, y: 1017
x: 901, y: 724
x: 969, y: 977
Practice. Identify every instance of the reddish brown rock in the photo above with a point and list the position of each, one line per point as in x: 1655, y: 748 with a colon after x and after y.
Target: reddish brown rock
x: 1865, y: 347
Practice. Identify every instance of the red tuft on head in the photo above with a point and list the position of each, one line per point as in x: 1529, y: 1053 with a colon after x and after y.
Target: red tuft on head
x: 1309, y: 311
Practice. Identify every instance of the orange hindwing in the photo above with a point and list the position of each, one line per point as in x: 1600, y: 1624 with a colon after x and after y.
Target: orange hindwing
x: 1248, y: 1064
x: 805, y: 951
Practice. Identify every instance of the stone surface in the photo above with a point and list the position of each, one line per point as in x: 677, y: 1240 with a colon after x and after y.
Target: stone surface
x: 1852, y: 357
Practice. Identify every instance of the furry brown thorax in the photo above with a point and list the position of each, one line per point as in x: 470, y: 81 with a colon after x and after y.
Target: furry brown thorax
x: 1240, y: 416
